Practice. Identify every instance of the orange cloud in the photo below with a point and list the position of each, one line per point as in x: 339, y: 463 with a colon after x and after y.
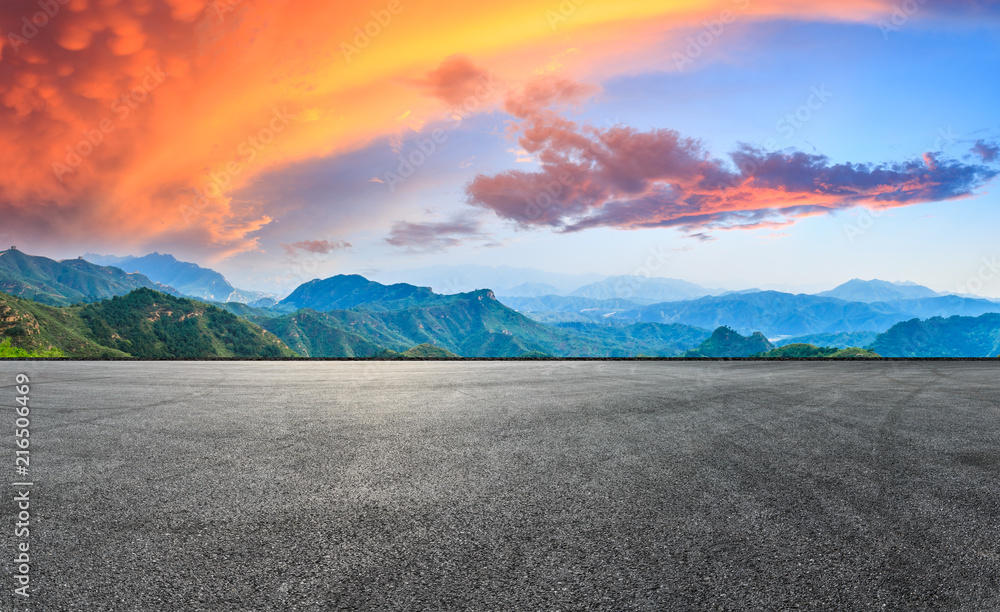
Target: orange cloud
x: 135, y: 121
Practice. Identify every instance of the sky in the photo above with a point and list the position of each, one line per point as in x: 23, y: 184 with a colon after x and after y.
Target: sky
x: 735, y: 144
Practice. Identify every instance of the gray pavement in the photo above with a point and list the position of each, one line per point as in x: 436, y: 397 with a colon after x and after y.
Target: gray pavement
x: 507, y: 486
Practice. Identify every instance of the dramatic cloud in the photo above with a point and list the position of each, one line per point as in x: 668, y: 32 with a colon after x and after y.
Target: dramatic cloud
x: 135, y: 122
x: 989, y: 152
x: 435, y: 236
x: 624, y: 178
x: 455, y: 80
x: 321, y: 247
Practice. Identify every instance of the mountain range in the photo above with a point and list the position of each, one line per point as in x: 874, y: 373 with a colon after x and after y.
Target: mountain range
x: 61, y: 283
x: 187, y: 278
x: 144, y: 324
x: 352, y: 316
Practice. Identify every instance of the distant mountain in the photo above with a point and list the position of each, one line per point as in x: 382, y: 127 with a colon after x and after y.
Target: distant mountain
x: 471, y: 324
x: 858, y: 290
x: 643, y: 290
x: 842, y: 340
x: 190, y: 279
x: 350, y: 316
x: 462, y: 278
x: 543, y: 307
x: 783, y: 314
x: 61, y: 283
x: 649, y: 339
x: 940, y: 337
x: 528, y: 290
x: 725, y: 342
x: 144, y: 324
x: 343, y: 292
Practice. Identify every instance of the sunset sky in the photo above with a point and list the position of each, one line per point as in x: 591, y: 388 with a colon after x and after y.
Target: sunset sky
x: 765, y: 143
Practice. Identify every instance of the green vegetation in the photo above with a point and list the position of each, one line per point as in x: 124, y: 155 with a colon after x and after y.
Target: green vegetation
x: 144, y: 324
x: 841, y: 340
x: 725, y: 342
x: 470, y: 324
x: 427, y: 351
x: 351, y: 291
x: 939, y: 337
x: 36, y: 327
x: 9, y: 352
x: 808, y: 351
x: 62, y: 283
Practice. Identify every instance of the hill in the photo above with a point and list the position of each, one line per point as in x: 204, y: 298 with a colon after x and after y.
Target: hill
x: 940, y: 337
x: 725, y: 342
x: 144, y: 324
x: 649, y: 339
x: 808, y: 351
x: 469, y: 324
x: 71, y: 281
x: 427, y: 351
x: 33, y: 327
x: 343, y: 292
x: 189, y: 279
x: 7, y: 351
x: 474, y: 324
x: 841, y: 340
x: 857, y: 290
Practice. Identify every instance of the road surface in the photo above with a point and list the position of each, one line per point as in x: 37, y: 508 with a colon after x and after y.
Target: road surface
x: 506, y: 486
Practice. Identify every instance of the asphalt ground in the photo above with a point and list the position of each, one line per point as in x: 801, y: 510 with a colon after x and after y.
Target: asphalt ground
x: 505, y: 486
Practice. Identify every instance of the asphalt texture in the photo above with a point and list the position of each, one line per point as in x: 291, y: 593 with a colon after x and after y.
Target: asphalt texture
x: 506, y: 486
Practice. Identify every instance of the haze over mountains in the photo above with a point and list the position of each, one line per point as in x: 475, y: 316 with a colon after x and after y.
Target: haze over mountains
x: 351, y: 316
x: 188, y: 278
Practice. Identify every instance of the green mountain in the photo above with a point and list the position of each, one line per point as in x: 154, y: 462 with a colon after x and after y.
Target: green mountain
x: 189, y: 279
x: 841, y: 340
x: 71, y: 281
x: 784, y: 314
x: 808, y: 351
x: 725, y: 342
x: 473, y: 324
x: 7, y: 351
x: 468, y: 324
x: 649, y: 339
x: 34, y: 327
x: 144, y: 324
x: 939, y: 337
x: 344, y: 292
x: 427, y: 351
